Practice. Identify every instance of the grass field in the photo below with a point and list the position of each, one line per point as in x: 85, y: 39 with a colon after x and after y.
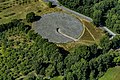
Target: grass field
x: 86, y: 36
x: 112, y: 74
x: 10, y: 3
x: 95, y: 32
x: 57, y: 78
x: 20, y: 11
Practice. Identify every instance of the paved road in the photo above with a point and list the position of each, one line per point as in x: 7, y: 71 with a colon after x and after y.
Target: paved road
x: 109, y: 31
x: 76, y: 13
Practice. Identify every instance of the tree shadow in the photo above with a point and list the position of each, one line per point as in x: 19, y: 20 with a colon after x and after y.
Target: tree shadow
x: 63, y: 52
x: 53, y: 6
x: 37, y: 18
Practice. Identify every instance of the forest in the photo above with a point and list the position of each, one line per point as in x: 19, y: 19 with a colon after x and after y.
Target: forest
x: 25, y: 55
x: 103, y: 12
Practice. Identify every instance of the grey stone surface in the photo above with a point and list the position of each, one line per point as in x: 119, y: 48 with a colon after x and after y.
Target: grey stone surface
x: 48, y: 24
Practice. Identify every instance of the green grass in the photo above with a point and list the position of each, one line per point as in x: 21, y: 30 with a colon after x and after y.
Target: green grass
x: 112, y: 74
x: 87, y: 36
x: 20, y: 11
x: 11, y: 3
x: 95, y: 32
x: 57, y: 78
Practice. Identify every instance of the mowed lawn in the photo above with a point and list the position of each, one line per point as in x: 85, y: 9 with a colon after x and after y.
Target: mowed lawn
x: 112, y: 74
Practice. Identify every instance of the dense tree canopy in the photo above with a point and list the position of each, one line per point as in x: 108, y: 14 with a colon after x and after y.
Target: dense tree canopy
x: 23, y: 51
x: 25, y: 55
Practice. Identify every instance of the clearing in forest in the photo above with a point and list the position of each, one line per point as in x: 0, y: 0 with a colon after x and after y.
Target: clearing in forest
x: 70, y: 27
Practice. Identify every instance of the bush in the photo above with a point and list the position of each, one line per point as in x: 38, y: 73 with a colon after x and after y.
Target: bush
x: 50, y: 4
x: 30, y: 17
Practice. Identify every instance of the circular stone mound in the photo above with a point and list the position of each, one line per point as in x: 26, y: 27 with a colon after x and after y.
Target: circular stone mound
x: 49, y: 23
